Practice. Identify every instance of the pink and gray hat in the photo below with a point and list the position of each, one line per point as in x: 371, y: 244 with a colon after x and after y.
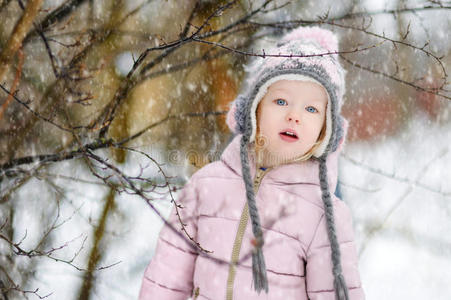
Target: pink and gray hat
x: 305, y: 54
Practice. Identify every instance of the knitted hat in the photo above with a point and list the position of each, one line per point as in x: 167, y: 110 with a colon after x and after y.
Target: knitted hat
x: 297, y: 59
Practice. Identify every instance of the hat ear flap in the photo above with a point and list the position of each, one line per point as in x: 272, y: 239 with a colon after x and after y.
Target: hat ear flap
x: 236, y: 116
x: 230, y: 119
x: 342, y: 132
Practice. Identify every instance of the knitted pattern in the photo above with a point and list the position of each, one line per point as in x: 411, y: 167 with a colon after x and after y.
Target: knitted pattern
x: 261, y: 73
x: 325, y: 69
x: 339, y: 281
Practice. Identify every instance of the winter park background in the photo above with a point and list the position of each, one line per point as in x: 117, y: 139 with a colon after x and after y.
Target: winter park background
x: 107, y: 107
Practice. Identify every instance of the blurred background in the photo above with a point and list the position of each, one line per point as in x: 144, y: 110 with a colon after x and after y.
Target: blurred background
x: 108, y: 107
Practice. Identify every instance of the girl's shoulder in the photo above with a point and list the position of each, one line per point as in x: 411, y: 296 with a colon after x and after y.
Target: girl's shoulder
x: 215, y: 169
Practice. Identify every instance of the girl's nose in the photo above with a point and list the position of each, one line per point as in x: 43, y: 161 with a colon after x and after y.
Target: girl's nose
x: 293, y: 118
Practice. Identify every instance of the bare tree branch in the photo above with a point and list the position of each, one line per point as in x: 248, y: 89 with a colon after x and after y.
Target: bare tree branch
x: 19, y: 32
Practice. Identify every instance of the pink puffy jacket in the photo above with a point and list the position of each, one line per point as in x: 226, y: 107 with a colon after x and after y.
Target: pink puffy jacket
x: 296, y: 248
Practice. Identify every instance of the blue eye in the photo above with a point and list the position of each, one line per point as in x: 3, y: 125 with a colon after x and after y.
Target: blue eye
x: 311, y: 109
x: 281, y: 102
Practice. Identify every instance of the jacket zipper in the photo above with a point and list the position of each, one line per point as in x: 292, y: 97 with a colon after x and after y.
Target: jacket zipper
x: 196, y: 293
x: 239, y: 235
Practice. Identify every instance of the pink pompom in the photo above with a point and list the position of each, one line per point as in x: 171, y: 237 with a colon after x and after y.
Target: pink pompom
x: 324, y: 37
x: 230, y: 119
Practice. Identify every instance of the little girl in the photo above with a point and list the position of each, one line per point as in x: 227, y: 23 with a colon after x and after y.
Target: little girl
x: 265, y: 212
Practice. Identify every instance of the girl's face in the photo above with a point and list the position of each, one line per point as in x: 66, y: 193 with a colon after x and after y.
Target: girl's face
x: 297, y: 107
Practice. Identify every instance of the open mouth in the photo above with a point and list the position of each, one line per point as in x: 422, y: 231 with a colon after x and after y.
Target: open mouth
x: 288, y: 135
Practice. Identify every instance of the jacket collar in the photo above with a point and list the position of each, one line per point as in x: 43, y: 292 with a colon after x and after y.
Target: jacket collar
x: 300, y: 172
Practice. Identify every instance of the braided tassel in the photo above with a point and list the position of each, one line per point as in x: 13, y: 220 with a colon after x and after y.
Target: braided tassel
x: 341, y: 290
x: 259, y: 268
x: 258, y: 260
